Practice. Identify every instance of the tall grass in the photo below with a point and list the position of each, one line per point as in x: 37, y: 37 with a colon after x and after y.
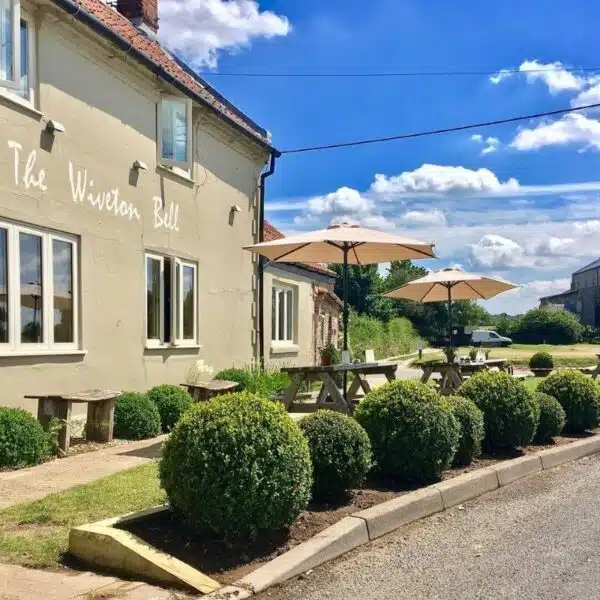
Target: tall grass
x: 394, y: 338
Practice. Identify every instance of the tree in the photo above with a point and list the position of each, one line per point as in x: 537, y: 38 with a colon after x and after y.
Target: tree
x: 541, y: 325
x: 364, y: 285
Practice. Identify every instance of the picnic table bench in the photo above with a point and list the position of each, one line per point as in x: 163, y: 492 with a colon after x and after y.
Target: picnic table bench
x: 100, y: 414
x: 206, y: 390
x: 330, y: 395
x: 453, y: 374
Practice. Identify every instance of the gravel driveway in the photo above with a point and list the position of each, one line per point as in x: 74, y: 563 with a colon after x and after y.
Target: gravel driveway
x: 537, y: 539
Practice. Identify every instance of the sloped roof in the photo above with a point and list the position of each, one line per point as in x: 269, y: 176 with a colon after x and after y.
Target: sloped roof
x: 592, y: 265
x: 96, y: 12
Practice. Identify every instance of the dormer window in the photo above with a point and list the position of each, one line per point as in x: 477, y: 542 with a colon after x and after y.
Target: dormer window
x: 174, y: 132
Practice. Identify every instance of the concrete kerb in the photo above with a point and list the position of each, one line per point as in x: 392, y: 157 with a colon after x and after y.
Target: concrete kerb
x: 569, y: 452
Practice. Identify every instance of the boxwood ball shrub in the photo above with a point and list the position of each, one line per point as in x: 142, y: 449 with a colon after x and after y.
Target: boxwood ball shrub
x: 136, y: 417
x: 413, y: 432
x: 340, y: 451
x: 510, y: 411
x: 172, y: 401
x: 472, y: 431
x: 579, y: 396
x: 541, y: 360
x: 552, y: 417
x: 236, y: 466
x: 23, y: 441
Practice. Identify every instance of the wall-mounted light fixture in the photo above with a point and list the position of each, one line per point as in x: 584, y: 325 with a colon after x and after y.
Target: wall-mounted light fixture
x: 139, y: 165
x: 53, y: 127
x: 235, y: 208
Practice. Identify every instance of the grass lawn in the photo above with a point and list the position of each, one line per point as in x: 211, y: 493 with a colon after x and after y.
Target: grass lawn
x: 36, y: 534
x: 575, y: 355
x: 533, y: 382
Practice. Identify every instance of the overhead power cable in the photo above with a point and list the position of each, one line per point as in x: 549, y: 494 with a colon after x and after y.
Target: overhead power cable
x: 394, y: 73
x: 419, y: 134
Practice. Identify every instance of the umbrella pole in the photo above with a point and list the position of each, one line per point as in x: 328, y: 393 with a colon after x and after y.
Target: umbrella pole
x: 345, y: 318
x: 450, y: 315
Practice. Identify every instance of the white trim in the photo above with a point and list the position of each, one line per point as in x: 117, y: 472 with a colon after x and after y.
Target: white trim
x: 285, y: 289
x: 187, y: 164
x: 24, y: 353
x: 15, y: 83
x: 181, y: 341
x: 284, y: 348
x: 161, y: 259
x: 15, y: 346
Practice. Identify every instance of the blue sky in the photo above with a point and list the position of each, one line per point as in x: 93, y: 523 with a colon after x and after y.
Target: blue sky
x: 519, y: 201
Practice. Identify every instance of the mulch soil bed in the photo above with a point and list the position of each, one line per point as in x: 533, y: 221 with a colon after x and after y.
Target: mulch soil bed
x: 228, y: 562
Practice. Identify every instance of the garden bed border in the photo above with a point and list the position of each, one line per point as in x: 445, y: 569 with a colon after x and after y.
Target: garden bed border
x: 101, y: 543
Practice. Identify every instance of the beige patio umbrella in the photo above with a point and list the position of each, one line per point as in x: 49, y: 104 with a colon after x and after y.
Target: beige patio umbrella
x: 451, y: 284
x: 344, y: 244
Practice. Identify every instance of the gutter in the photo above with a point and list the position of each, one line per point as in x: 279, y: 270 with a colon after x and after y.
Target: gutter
x: 261, y: 259
x: 78, y: 12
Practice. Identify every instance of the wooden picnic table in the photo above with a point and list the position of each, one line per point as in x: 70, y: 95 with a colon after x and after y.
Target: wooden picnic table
x: 453, y: 374
x: 206, y: 390
x: 100, y: 414
x: 330, y: 395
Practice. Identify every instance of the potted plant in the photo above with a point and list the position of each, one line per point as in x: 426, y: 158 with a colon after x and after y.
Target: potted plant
x: 473, y: 352
x: 330, y: 355
x: 541, y: 364
x: 450, y: 354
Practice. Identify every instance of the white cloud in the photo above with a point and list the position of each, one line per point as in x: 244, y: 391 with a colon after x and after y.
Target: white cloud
x: 443, y: 180
x: 476, y: 137
x: 500, y: 76
x: 527, y: 296
x: 553, y: 246
x: 343, y: 200
x: 426, y: 217
x: 587, y: 227
x: 570, y: 129
x: 587, y: 97
x: 555, y: 75
x: 491, y: 143
x: 199, y: 29
x: 496, y: 252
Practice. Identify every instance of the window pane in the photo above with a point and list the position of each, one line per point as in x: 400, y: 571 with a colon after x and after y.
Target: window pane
x: 281, y: 333
x: 173, y: 119
x: 6, y: 40
x: 273, y: 314
x: 62, y: 299
x: 178, y: 309
x: 153, y: 292
x: 3, y: 286
x: 30, y: 264
x: 23, y: 90
x: 189, y: 302
x: 290, y: 315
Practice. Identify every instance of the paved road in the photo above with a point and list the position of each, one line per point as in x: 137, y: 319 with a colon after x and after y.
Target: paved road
x: 538, y: 539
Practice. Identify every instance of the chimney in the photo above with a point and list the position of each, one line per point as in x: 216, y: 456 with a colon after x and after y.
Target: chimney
x: 142, y: 13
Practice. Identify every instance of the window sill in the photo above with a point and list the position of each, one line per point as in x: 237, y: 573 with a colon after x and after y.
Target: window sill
x: 173, y: 346
x: 175, y: 174
x: 22, y: 353
x: 285, y: 349
x: 21, y: 103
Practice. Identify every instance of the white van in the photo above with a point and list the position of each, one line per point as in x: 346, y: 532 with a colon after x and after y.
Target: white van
x: 484, y: 337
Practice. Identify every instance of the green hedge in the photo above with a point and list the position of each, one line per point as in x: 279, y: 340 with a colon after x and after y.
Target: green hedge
x: 172, y: 401
x: 136, y: 417
x: 253, y: 380
x: 340, y: 452
x: 413, y: 433
x: 236, y: 466
x: 510, y: 411
x: 579, y: 396
x: 472, y: 429
x: 541, y: 360
x: 394, y: 338
x: 23, y: 441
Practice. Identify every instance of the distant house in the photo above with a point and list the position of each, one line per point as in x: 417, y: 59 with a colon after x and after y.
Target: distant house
x: 583, y: 299
x: 303, y: 313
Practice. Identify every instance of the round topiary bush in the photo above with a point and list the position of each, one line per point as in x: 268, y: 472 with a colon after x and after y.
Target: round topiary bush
x: 541, y: 360
x: 136, y: 417
x: 552, y: 418
x: 472, y: 429
x: 510, y: 411
x: 413, y: 433
x: 172, y: 401
x: 23, y: 441
x: 241, y: 376
x: 579, y: 396
x: 340, y: 452
x: 236, y: 466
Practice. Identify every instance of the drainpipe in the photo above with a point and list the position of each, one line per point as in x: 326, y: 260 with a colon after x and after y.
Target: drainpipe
x: 261, y: 259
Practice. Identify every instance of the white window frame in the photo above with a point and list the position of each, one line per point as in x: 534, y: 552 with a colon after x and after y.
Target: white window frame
x: 187, y: 164
x: 278, y: 288
x: 16, y: 42
x: 161, y: 259
x: 14, y: 344
x: 176, y: 314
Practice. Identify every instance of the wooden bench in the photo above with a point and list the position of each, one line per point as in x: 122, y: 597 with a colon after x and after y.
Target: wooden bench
x: 203, y: 391
x: 100, y: 414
